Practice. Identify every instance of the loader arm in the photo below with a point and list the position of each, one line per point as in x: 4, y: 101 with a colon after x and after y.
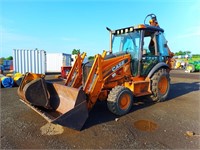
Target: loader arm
x: 75, y: 75
x: 101, y: 70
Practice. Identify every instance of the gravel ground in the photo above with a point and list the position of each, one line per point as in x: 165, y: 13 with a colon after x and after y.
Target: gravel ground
x: 149, y: 125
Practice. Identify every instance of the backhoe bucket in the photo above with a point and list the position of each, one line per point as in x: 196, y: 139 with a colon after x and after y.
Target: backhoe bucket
x: 56, y: 103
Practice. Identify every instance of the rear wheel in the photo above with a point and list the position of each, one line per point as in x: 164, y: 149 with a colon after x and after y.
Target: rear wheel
x: 120, y: 100
x: 160, y: 85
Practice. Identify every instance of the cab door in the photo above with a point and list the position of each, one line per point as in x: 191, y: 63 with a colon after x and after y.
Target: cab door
x: 150, y: 52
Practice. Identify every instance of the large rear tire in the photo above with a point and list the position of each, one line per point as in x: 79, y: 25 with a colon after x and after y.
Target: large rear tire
x: 120, y: 100
x: 160, y: 85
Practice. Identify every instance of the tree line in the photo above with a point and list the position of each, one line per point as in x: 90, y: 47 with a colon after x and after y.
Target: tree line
x: 77, y: 51
x: 182, y: 53
x: 186, y: 53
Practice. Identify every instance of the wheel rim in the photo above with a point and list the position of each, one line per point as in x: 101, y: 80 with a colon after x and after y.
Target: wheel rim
x: 163, y: 85
x: 125, y: 101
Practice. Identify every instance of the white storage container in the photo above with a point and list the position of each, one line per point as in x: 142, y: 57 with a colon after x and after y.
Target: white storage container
x: 57, y: 60
x: 73, y: 59
x: 33, y: 61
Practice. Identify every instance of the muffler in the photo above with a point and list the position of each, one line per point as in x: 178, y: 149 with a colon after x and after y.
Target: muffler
x: 56, y: 103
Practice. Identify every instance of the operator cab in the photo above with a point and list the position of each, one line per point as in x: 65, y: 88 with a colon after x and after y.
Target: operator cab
x: 146, y: 44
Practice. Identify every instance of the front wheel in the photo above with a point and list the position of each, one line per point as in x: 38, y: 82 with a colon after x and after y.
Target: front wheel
x: 120, y: 100
x: 160, y: 85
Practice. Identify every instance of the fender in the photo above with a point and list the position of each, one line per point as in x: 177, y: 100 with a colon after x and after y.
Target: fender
x: 156, y: 67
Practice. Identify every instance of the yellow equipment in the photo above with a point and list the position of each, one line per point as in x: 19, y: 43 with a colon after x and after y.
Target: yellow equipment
x: 136, y: 65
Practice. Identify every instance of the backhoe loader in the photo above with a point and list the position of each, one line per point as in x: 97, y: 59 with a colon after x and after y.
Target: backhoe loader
x: 137, y: 64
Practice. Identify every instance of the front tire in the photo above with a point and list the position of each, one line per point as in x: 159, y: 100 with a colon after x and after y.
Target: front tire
x: 160, y: 85
x: 120, y: 100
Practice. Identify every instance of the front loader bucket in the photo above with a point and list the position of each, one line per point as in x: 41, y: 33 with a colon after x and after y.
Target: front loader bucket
x: 56, y: 103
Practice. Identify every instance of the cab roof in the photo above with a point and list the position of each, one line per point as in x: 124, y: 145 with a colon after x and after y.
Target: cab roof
x: 137, y: 27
